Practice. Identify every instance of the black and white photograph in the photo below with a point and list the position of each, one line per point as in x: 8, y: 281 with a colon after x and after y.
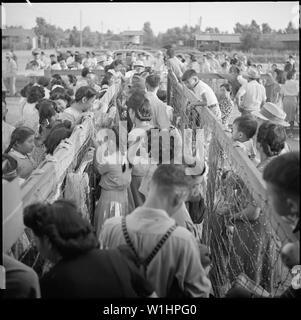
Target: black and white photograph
x: 150, y: 150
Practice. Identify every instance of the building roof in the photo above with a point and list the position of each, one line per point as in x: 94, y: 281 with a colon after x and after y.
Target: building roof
x: 18, y: 32
x: 235, y: 38
x: 132, y: 33
x: 223, y: 38
x: 282, y: 37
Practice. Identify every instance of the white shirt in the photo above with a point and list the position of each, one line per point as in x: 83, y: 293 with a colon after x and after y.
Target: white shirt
x: 255, y: 95
x: 290, y: 88
x: 30, y: 116
x: 203, y: 88
x: 69, y: 60
x: 160, y: 113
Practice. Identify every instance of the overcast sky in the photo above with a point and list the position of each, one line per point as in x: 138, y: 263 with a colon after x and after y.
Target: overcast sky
x: 131, y: 16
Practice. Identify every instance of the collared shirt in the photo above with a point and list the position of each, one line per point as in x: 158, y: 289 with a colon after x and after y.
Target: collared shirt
x: 160, y: 117
x: 178, y: 258
x: 255, y: 95
x: 202, y: 90
x: 25, y: 163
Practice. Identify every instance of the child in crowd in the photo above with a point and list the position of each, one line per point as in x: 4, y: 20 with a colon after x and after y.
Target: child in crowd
x: 225, y: 103
x: 244, y: 129
x: 30, y: 113
x: 270, y: 142
x: 20, y: 148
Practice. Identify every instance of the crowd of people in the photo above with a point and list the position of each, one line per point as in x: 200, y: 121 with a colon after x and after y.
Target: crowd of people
x: 142, y: 240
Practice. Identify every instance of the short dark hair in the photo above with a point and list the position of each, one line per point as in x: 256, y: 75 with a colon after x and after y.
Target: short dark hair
x: 280, y: 76
x: 153, y: 80
x: 227, y: 86
x: 170, y: 52
x: 188, y: 74
x: 162, y: 95
x: 43, y: 81
x: 171, y: 175
x: 272, y: 138
x: 63, y: 224
x: 283, y: 172
x: 85, y: 92
x: 35, y: 94
x: 55, y: 136
x: 247, y: 125
x: 60, y: 93
x: 290, y: 74
x: 140, y: 105
x: 85, y: 72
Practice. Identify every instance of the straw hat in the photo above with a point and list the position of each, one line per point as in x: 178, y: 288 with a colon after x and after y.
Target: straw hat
x: 272, y: 113
x: 101, y: 59
x: 253, y: 73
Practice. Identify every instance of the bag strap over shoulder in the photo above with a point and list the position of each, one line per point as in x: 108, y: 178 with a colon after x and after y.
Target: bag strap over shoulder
x: 160, y: 244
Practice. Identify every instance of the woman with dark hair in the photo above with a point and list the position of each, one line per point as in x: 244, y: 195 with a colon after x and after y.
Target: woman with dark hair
x: 30, y: 112
x: 270, y: 142
x: 20, y: 148
x: 61, y: 97
x: 80, y: 269
x: 140, y: 113
x: 84, y: 99
x: 58, y: 133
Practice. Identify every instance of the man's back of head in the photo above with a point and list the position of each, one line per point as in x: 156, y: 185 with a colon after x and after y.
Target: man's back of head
x: 170, y: 184
x: 170, y: 52
x: 152, y: 82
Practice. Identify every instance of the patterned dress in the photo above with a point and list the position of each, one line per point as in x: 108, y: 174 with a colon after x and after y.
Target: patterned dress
x: 226, y: 105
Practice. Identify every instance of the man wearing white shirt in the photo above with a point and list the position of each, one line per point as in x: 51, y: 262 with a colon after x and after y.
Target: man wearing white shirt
x: 255, y: 95
x: 160, y: 110
x: 202, y: 91
x: 174, y: 64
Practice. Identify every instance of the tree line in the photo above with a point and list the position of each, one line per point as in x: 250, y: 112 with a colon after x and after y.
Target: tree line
x: 251, y: 35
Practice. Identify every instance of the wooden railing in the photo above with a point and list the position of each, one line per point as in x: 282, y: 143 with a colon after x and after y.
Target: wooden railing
x: 45, y: 182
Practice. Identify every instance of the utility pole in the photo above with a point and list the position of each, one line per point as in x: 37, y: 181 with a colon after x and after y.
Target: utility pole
x: 81, y: 30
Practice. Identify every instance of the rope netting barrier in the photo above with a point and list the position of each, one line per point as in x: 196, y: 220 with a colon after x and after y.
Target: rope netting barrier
x: 68, y: 174
x: 244, y: 236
